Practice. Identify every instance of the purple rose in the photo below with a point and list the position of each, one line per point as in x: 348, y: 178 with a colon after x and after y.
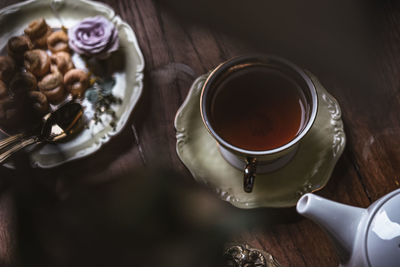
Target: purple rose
x: 95, y: 36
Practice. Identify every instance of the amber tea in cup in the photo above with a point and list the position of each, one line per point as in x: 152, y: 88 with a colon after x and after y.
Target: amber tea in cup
x: 258, y: 108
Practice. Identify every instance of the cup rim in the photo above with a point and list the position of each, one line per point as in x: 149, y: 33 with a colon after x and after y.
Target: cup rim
x: 221, y: 68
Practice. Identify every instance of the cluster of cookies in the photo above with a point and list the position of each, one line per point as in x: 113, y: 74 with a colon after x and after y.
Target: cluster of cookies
x: 37, y: 71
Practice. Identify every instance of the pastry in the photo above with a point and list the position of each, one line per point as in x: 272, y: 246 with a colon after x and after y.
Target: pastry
x: 17, y: 46
x: 7, y: 68
x: 63, y: 61
x: 41, y: 42
x: 37, y: 61
x: 53, y: 68
x: 22, y: 83
x: 76, y: 82
x: 58, y: 41
x: 38, y: 31
x: 39, y: 102
x: 52, y: 87
x: 36, y: 28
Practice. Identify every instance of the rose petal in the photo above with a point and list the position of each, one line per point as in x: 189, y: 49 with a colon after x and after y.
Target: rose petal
x: 94, y: 36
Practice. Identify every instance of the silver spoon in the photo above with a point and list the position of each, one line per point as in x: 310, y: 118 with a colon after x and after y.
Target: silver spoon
x: 55, y: 126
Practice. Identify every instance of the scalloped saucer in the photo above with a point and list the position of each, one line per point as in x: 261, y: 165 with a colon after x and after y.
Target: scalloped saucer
x: 308, y: 171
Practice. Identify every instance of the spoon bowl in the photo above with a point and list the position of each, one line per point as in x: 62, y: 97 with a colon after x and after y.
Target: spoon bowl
x: 56, y: 126
x: 62, y: 123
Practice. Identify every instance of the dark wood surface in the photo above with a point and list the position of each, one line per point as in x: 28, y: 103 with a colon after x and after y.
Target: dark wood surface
x: 352, y: 46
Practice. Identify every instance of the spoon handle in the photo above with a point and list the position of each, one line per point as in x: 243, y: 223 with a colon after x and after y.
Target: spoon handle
x: 10, y: 151
x: 10, y: 140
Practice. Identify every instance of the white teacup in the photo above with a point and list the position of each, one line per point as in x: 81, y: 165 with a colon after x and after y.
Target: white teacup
x: 258, y: 108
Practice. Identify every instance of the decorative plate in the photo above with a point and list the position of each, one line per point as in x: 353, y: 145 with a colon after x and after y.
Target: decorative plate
x: 308, y: 171
x: 124, y: 67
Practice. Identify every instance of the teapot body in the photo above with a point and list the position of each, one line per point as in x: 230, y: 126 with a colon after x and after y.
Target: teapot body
x: 363, y: 237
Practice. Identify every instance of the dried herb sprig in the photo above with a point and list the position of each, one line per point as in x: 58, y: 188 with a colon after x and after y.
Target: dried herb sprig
x: 102, y: 99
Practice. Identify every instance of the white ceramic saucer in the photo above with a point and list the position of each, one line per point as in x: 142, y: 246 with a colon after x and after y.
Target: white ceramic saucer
x: 308, y: 171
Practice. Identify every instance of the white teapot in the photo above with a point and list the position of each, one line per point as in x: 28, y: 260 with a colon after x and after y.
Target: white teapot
x: 364, y: 237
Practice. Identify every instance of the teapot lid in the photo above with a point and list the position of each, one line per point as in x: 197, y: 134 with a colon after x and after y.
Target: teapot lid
x: 383, y: 236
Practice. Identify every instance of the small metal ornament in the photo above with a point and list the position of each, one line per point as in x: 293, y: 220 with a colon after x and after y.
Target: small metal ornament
x: 242, y: 255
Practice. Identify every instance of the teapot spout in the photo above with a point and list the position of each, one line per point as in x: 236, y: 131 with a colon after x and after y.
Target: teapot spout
x: 340, y: 221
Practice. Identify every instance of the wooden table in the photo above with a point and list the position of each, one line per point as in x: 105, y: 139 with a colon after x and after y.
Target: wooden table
x: 353, y: 48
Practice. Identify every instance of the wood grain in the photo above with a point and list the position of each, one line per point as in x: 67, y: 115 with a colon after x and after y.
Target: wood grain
x: 178, y: 47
